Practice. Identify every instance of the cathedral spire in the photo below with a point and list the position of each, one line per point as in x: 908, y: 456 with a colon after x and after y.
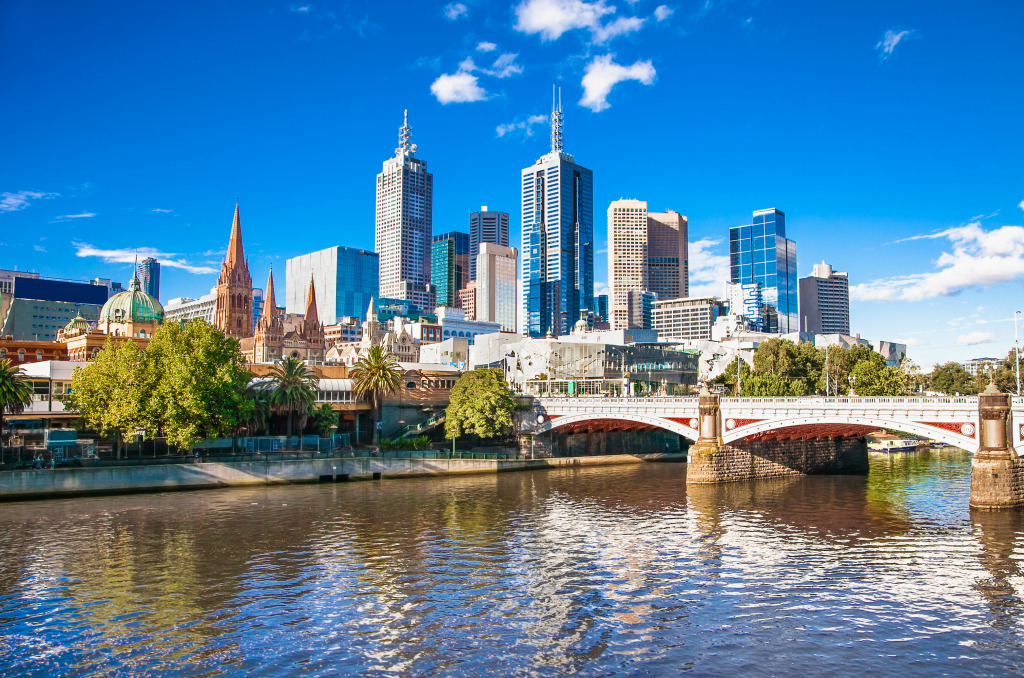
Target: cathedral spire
x: 269, y: 303
x: 311, y: 319
x: 236, y: 255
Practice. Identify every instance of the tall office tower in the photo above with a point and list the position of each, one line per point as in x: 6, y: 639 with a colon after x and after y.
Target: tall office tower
x: 761, y: 253
x: 405, y: 192
x: 647, y: 252
x: 449, y: 266
x: 558, y: 239
x: 485, y: 226
x: 233, y: 314
x: 825, y: 301
x: 148, y: 271
x: 601, y: 302
x: 496, y: 285
x: 346, y: 277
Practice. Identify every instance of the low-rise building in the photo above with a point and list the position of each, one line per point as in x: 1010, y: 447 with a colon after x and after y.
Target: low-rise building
x: 186, y: 308
x: 686, y: 318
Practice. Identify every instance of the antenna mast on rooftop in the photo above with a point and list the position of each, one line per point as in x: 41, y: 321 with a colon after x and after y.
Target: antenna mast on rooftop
x: 556, y: 119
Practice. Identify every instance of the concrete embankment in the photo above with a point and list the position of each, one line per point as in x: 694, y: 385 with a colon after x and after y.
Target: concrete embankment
x: 46, y: 483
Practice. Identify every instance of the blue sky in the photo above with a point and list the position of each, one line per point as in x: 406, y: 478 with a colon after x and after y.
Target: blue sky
x: 889, y: 133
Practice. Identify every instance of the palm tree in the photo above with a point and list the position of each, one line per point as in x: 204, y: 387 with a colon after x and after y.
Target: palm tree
x: 378, y: 374
x: 15, y: 392
x: 294, y: 389
x: 262, y: 407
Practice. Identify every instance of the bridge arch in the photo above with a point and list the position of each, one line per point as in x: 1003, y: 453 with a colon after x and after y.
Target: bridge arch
x: 551, y: 424
x: 924, y: 430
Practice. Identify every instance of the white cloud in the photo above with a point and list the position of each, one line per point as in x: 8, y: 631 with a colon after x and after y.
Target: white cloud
x: 458, y: 87
x: 486, y: 47
x: 14, y: 202
x: 505, y: 66
x: 979, y: 257
x: 162, y: 211
x: 1021, y: 204
x: 82, y: 215
x: 525, y: 127
x: 911, y: 342
x: 709, y: 270
x: 889, y: 41
x: 552, y: 18
x: 129, y: 256
x: 301, y: 9
x: 39, y: 248
x: 662, y: 12
x: 600, y: 288
x: 972, y: 338
x: 455, y: 10
x: 602, y: 74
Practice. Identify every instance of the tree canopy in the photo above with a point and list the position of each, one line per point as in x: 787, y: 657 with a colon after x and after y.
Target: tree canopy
x: 15, y: 392
x: 951, y: 378
x: 481, y: 404
x: 377, y: 374
x: 294, y: 390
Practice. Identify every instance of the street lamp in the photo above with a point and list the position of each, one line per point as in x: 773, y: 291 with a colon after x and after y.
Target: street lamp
x: 1016, y: 349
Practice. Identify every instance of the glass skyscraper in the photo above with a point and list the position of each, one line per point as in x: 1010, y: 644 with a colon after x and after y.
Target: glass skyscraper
x: 485, y: 226
x: 761, y: 253
x: 558, y: 239
x: 449, y: 266
x: 345, y: 280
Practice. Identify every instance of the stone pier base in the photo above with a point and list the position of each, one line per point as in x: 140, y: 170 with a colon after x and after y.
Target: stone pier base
x: 997, y: 480
x: 714, y: 463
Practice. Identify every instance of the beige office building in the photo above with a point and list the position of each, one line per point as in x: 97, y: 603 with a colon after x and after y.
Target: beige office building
x: 496, y: 285
x: 647, y: 252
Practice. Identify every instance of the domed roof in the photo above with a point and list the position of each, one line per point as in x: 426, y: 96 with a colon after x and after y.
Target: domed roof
x: 77, y: 325
x: 581, y: 325
x: 132, y: 305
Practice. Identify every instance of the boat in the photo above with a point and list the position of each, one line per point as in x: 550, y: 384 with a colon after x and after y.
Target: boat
x: 894, y: 445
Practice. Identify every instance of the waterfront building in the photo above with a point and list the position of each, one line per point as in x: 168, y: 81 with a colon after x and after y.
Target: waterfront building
x: 25, y: 351
x: 404, y: 214
x: 825, y: 301
x: 38, y: 308
x: 233, y: 310
x: 132, y: 315
x: 485, y: 226
x: 183, y: 309
x: 449, y: 266
x: 686, y: 318
x: 496, y: 285
x: 275, y: 340
x: 760, y: 252
x: 558, y: 239
x: 148, y: 271
x: 346, y: 279
x: 647, y: 252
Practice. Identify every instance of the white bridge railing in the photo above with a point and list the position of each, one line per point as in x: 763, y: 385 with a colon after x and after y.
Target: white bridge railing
x: 690, y: 401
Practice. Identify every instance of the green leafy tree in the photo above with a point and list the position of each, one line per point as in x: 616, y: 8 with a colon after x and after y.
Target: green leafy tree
x: 481, y: 404
x: 773, y: 386
x: 259, y: 394
x: 376, y: 374
x: 915, y: 379
x: 875, y: 378
x: 1005, y: 376
x: 775, y: 356
x: 294, y: 390
x: 198, y: 383
x: 112, y: 393
x: 951, y: 378
x: 15, y: 392
x: 838, y: 371
x: 325, y: 420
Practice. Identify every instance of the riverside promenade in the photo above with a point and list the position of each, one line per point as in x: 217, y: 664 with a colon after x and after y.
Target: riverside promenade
x: 190, y: 475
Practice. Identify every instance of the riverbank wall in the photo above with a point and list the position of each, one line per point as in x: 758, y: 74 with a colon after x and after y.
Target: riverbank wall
x: 47, y: 483
x: 749, y: 460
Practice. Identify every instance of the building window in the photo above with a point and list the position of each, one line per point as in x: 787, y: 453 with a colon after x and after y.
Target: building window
x: 39, y: 355
x: 21, y: 354
x: 411, y: 385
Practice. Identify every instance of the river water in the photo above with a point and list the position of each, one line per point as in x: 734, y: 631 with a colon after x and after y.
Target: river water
x: 595, y: 571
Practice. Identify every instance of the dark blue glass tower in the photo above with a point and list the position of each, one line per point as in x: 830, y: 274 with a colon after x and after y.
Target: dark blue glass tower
x: 761, y: 253
x: 449, y: 266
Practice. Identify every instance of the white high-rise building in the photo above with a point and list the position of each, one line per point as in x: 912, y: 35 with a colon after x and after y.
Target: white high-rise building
x: 496, y: 285
x: 485, y: 226
x: 825, y: 301
x: 405, y: 192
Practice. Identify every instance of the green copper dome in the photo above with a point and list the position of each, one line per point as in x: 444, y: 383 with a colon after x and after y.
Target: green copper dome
x: 132, y: 305
x: 77, y: 325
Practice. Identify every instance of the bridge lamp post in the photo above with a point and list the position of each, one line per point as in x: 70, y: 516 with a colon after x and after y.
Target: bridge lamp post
x: 1016, y: 349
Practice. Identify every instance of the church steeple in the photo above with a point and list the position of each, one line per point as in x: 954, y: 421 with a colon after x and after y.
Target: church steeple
x: 233, y: 312
x: 236, y: 255
x: 270, y: 303
x: 311, y: 320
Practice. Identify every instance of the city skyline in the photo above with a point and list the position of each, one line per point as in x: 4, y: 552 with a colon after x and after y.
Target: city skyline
x: 915, y: 197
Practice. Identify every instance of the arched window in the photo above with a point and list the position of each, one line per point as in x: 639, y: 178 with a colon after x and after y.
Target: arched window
x: 39, y: 355
x: 3, y: 352
x: 411, y: 385
x: 21, y: 354
x: 95, y: 352
x: 238, y: 323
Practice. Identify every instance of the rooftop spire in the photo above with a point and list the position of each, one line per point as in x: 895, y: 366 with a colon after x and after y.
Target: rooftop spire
x: 556, y: 119
x: 405, y: 134
x: 269, y: 303
x: 311, y: 319
x: 235, y: 253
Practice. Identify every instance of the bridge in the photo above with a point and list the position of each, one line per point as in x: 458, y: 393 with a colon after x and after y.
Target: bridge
x: 952, y: 420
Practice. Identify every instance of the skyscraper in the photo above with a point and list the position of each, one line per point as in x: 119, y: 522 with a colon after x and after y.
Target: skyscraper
x: 405, y: 192
x: 647, y: 252
x: 761, y: 253
x: 449, y: 266
x: 345, y: 277
x: 148, y: 271
x: 485, y: 226
x: 558, y: 239
x: 825, y: 301
x: 496, y: 285
x: 233, y: 314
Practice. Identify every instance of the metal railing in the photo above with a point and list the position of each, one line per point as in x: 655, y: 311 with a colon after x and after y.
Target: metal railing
x: 795, y: 400
x: 420, y: 427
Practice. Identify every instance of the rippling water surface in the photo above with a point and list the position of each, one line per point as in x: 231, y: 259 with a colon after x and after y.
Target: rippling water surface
x: 596, y: 571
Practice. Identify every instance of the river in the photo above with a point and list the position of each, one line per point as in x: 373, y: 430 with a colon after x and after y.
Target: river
x: 592, y: 571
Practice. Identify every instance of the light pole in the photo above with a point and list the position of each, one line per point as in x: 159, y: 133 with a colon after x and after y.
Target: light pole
x: 1016, y: 349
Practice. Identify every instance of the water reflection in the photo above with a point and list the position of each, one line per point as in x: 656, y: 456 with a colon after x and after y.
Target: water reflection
x: 592, y: 570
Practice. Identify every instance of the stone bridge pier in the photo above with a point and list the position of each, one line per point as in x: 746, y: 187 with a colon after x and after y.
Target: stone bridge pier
x: 712, y: 461
x: 997, y: 473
